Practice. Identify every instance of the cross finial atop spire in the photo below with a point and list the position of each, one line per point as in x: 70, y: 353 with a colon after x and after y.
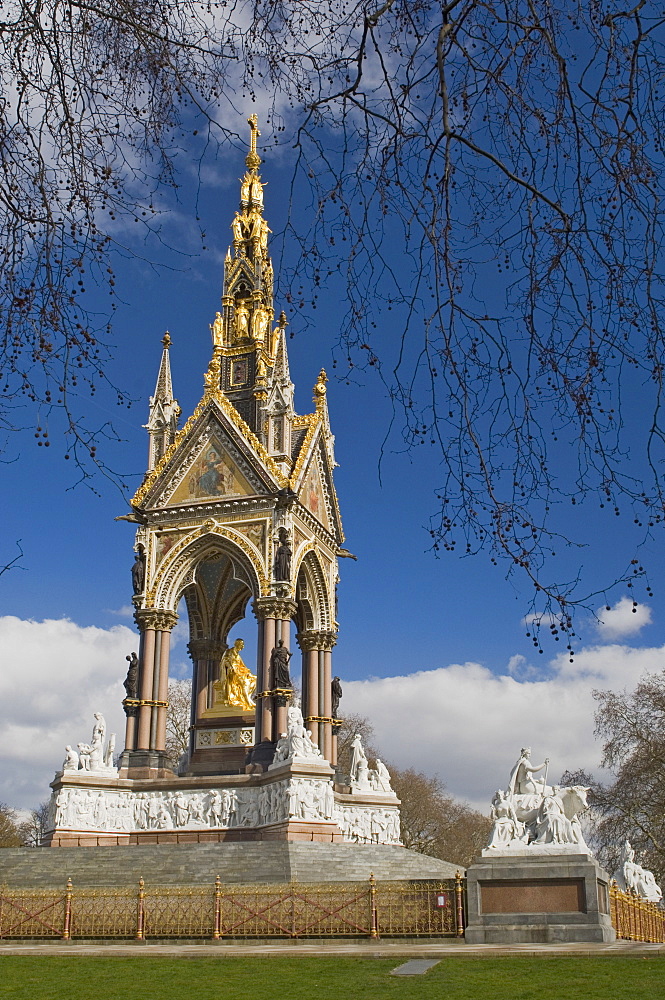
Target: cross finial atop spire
x: 253, y: 160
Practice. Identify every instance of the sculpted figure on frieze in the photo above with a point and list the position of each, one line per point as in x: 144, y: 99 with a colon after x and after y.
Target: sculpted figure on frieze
x: 229, y: 807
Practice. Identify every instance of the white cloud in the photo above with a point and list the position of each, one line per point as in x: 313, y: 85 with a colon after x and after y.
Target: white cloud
x: 622, y: 619
x: 126, y: 611
x: 54, y: 675
x: 461, y: 721
x: 468, y: 724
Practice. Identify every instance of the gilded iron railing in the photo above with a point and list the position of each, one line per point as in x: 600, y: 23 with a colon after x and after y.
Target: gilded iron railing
x: 372, y: 909
x: 634, y: 918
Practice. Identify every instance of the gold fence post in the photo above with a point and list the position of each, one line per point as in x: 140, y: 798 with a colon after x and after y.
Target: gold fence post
x: 140, y: 912
x: 459, y: 904
x: 373, y: 921
x: 67, y: 925
x: 216, y: 934
x: 633, y: 913
x: 613, y: 907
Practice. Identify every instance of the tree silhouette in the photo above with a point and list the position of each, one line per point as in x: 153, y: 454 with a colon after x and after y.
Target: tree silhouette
x: 485, y: 176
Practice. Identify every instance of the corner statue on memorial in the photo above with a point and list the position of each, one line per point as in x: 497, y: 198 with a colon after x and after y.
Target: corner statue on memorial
x: 536, y: 881
x: 630, y: 876
x: 95, y: 757
x: 532, y: 817
x: 296, y: 743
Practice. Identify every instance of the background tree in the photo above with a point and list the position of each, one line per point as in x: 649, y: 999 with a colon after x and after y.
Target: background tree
x: 178, y: 719
x: 632, y: 806
x: 435, y: 823
x: 494, y: 168
x: 10, y: 827
x: 33, y: 828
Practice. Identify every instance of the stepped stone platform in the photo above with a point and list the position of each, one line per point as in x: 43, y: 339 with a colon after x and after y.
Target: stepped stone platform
x: 194, y: 864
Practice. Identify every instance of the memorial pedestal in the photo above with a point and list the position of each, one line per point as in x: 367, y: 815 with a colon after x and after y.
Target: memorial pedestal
x: 539, y: 898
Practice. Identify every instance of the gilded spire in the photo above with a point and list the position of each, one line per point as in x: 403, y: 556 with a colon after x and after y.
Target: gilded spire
x: 253, y: 160
x: 281, y: 371
x: 249, y: 360
x: 164, y: 386
x: 246, y: 318
x: 164, y: 410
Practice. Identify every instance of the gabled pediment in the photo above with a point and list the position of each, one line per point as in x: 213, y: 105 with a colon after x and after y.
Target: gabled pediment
x: 313, y: 481
x: 278, y: 402
x: 240, y: 269
x: 212, y: 470
x: 214, y: 457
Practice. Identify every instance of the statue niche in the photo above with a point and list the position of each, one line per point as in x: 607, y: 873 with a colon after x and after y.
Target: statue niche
x: 241, y: 320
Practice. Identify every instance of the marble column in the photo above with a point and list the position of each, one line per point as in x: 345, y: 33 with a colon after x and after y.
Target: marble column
x: 327, y: 748
x: 274, y: 617
x: 156, y: 629
x: 317, y: 677
x: 206, y: 655
x: 310, y: 681
x: 146, y: 675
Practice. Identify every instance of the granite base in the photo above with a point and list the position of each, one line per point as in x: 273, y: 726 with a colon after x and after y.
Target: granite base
x: 540, y: 899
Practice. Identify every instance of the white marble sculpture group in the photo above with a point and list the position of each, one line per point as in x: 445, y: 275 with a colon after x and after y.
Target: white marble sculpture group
x: 631, y: 877
x: 95, y: 757
x: 123, y: 811
x: 363, y: 778
x: 294, y: 797
x: 296, y: 743
x: 532, y: 817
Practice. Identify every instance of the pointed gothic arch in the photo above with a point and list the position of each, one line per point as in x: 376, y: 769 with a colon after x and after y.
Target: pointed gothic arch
x: 178, y: 570
x: 312, y: 597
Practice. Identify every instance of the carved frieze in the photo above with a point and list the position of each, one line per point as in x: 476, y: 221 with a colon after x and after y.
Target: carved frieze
x: 206, y: 739
x: 299, y: 798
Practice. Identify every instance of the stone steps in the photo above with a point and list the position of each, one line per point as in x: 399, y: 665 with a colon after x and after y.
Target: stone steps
x: 194, y: 864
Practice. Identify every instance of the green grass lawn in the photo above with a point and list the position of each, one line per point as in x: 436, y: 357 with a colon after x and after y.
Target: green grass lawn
x: 308, y: 978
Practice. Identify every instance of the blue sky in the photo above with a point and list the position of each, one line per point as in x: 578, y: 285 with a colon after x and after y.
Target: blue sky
x: 403, y: 612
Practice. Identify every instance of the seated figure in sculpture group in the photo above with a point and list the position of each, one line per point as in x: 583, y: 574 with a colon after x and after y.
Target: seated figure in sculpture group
x: 521, y: 782
x: 632, y: 876
x: 507, y: 827
x: 552, y: 826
